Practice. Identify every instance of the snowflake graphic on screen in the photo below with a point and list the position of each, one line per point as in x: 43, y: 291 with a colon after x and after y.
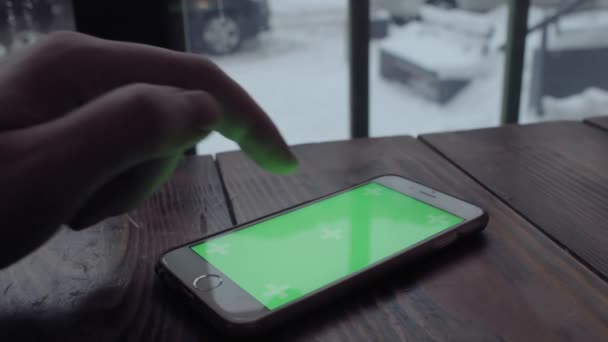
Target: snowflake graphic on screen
x: 372, y: 192
x: 218, y: 248
x: 329, y: 233
x: 437, y: 219
x: 275, y: 291
x: 332, y: 232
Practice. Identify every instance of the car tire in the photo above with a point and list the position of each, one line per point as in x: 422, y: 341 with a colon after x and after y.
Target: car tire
x: 218, y: 34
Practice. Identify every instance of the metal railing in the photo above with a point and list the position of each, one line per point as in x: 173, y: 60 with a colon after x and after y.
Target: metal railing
x: 359, y: 35
x: 514, y: 62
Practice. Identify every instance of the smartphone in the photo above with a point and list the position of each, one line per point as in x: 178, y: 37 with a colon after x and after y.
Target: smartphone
x: 262, y: 273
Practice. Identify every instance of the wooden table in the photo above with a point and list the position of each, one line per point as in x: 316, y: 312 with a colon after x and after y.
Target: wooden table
x: 537, y: 273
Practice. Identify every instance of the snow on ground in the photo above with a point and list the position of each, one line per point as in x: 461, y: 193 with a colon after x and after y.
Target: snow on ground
x: 396, y: 110
x: 298, y: 72
x: 591, y: 102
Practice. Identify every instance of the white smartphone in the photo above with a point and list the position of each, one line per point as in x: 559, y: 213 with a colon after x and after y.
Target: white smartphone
x: 259, y: 274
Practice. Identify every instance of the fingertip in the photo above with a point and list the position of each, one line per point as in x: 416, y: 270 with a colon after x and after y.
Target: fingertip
x: 282, y: 166
x: 287, y: 165
x: 260, y: 140
x: 281, y: 162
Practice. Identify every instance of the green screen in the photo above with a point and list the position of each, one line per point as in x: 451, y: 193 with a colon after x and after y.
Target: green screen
x: 287, y: 257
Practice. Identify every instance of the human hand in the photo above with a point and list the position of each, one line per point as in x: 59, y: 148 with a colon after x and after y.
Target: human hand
x: 89, y: 128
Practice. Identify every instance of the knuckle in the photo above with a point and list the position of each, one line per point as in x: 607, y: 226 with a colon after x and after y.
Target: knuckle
x: 204, y: 66
x: 210, y: 65
x: 58, y: 38
x: 145, y: 99
x: 213, y: 70
x: 62, y: 44
x: 146, y: 106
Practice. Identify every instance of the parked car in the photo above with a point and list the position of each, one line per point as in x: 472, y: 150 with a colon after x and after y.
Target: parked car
x: 220, y: 26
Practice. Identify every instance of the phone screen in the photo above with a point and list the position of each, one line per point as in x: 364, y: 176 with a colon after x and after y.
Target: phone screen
x: 291, y: 255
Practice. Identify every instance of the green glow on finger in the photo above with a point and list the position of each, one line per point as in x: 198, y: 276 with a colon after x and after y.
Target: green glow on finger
x: 272, y: 157
x: 269, y: 161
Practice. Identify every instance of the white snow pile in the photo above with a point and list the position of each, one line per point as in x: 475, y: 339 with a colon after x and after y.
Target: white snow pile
x: 306, y: 8
x: 466, y: 22
x: 380, y: 15
x: 591, y: 102
x: 451, y: 43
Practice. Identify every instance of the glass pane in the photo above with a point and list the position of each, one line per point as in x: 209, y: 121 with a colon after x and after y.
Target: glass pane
x: 566, y: 70
x: 22, y: 22
x: 436, y: 65
x: 291, y: 55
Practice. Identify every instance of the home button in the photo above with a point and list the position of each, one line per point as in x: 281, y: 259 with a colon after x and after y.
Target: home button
x: 207, y: 282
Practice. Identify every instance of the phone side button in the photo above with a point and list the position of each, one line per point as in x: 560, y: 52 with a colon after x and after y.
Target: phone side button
x: 207, y: 282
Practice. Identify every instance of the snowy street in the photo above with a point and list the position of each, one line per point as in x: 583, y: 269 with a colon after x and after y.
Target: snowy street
x: 298, y: 72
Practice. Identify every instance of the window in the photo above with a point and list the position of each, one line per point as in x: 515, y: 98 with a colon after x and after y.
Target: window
x: 435, y: 65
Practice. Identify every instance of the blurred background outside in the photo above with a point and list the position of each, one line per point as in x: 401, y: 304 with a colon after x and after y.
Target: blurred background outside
x: 434, y: 65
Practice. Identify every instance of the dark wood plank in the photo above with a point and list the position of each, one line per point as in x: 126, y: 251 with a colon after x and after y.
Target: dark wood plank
x: 599, y: 122
x: 509, y: 284
x: 99, y: 284
x: 555, y: 174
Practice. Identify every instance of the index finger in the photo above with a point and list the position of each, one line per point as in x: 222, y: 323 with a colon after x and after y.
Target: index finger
x: 110, y: 64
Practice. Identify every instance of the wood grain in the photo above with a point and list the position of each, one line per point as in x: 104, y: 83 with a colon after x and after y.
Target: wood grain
x: 554, y: 174
x: 509, y: 284
x: 99, y: 284
x: 599, y: 122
